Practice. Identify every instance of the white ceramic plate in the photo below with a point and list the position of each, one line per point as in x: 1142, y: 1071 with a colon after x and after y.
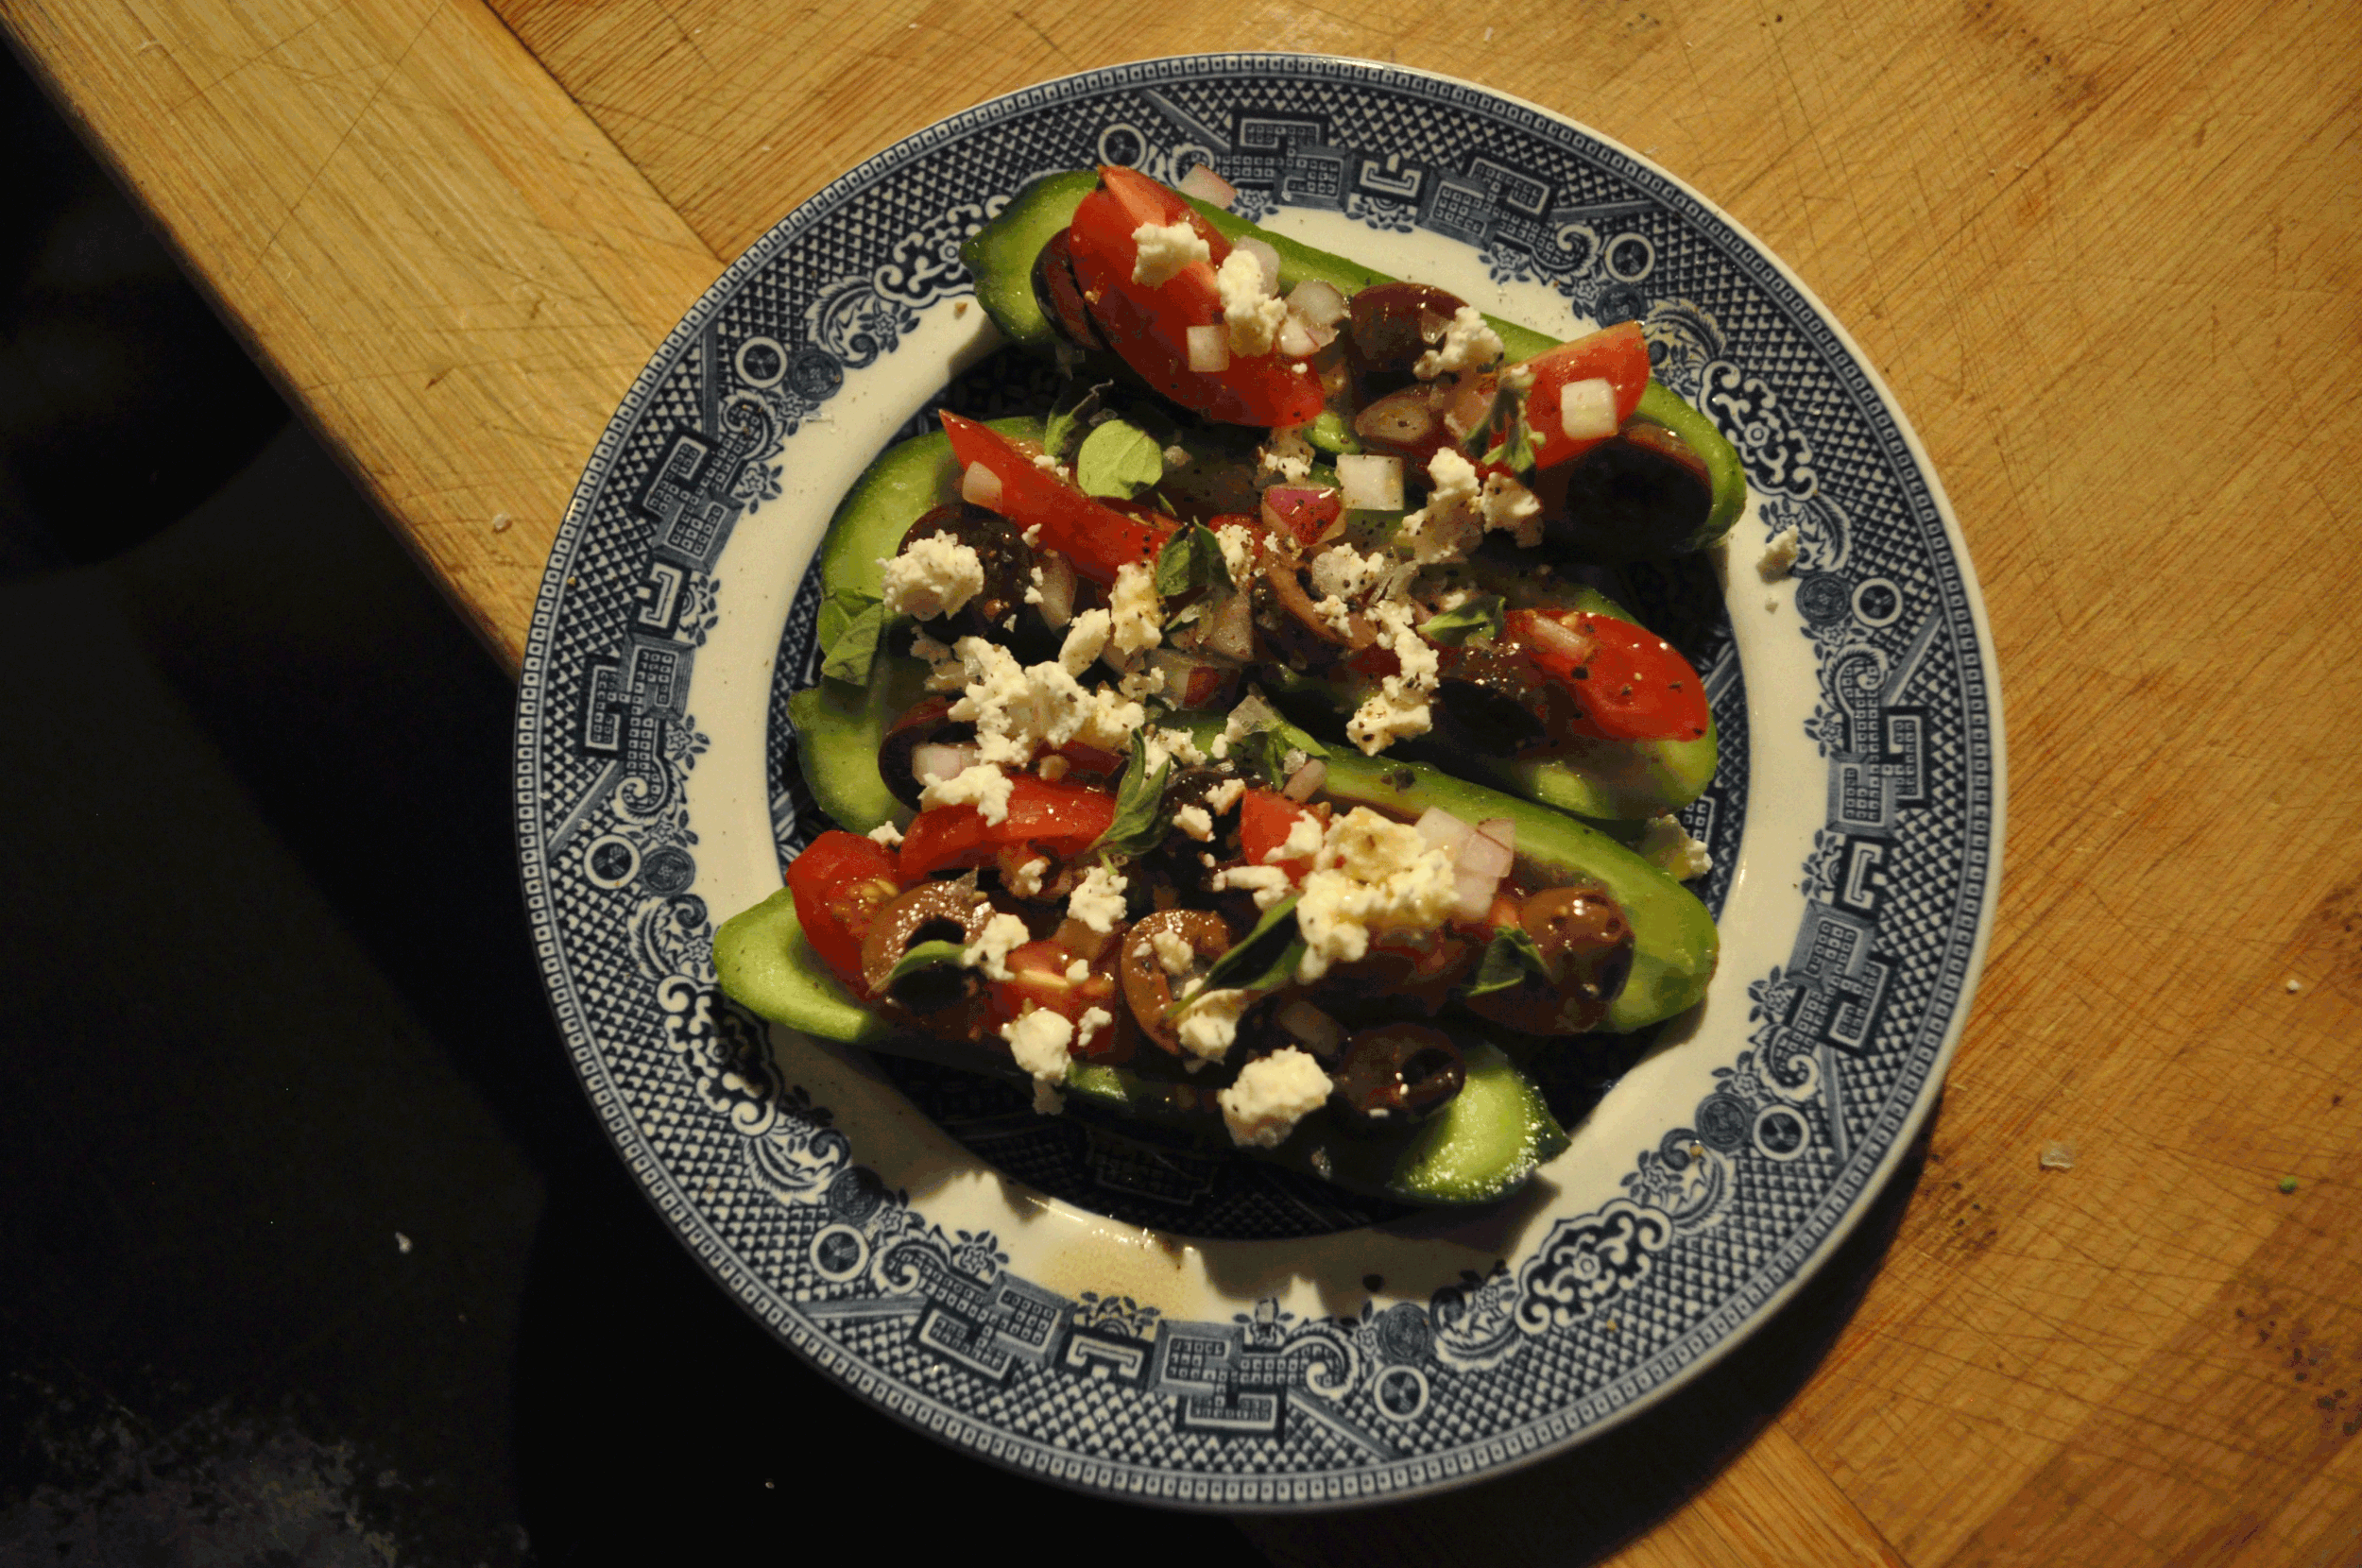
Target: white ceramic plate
x: 1134, y: 1318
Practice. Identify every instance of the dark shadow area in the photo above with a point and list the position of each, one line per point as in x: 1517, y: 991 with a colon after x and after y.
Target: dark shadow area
x: 1601, y: 1493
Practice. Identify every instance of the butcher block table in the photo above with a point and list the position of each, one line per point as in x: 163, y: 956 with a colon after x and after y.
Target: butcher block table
x: 2108, y: 255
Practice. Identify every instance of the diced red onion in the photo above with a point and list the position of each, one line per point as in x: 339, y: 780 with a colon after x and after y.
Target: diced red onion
x: 1492, y: 849
x: 1230, y: 629
x: 1296, y: 340
x: 1557, y: 638
x: 1268, y: 258
x: 1306, y: 514
x: 1315, y: 1030
x: 1306, y: 781
x: 1444, y: 830
x: 1057, y: 588
x: 1204, y: 184
x: 938, y: 761
x: 1209, y: 348
x: 1189, y: 682
x: 1472, y: 894
x: 981, y: 486
x: 1400, y: 418
x: 1316, y: 304
x: 1372, y: 481
x: 1586, y: 409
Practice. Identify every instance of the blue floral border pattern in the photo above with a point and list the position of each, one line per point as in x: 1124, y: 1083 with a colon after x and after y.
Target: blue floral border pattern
x: 1267, y: 1410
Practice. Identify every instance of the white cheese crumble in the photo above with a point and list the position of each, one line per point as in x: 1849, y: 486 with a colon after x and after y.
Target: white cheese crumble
x: 1667, y: 843
x: 1468, y: 346
x: 1285, y: 459
x: 984, y: 786
x: 1195, y: 821
x: 1302, y: 842
x: 1002, y: 935
x: 1137, y: 616
x: 1268, y: 883
x: 1779, y: 556
x: 1172, y: 951
x: 1085, y: 639
x: 1248, y: 306
x: 1097, y: 901
x: 944, y: 671
x: 1224, y: 795
x: 1052, y: 767
x: 1453, y: 518
x: 1210, y: 1026
x: 1238, y: 550
x: 1038, y: 1041
x: 1078, y: 971
x: 1025, y: 881
x: 1272, y: 1095
x: 1176, y: 745
x: 1018, y: 709
x: 1373, y: 875
x: 933, y: 576
x: 1510, y: 508
x: 1399, y: 708
x: 887, y: 834
x: 1094, y: 1019
x: 1166, y: 251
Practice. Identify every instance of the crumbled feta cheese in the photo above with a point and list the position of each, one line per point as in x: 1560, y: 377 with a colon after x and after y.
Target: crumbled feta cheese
x: 1667, y: 843
x: 1166, y: 251
x: 1002, y: 935
x: 1137, y: 617
x: 1097, y: 901
x: 1302, y: 843
x: 1085, y: 639
x: 1172, y: 951
x: 1345, y: 572
x: 984, y: 786
x: 1452, y: 520
x: 1399, y: 708
x: 1779, y: 556
x: 1079, y: 971
x: 1052, y: 767
x: 1285, y: 459
x: 1468, y: 346
x: 1272, y: 1095
x: 1517, y: 377
x: 1238, y: 551
x: 945, y: 673
x: 1510, y: 508
x: 1209, y: 1024
x: 1018, y: 709
x: 1220, y: 749
x: 1248, y: 307
x: 1176, y: 745
x: 1143, y: 682
x: 1038, y: 1041
x: 933, y: 576
x: 1025, y: 881
x: 1093, y: 1020
x: 1224, y: 795
x: 1373, y: 875
x: 1268, y: 883
x: 887, y: 834
x: 1177, y: 457
x: 1195, y: 821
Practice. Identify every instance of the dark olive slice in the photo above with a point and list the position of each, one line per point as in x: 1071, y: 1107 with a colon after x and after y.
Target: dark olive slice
x: 932, y: 911
x: 926, y: 722
x: 1492, y: 698
x: 1643, y: 493
x: 1394, y: 323
x: 1587, y: 946
x: 1007, y: 560
x: 1147, y: 986
x: 1397, y: 1074
x: 1060, y: 296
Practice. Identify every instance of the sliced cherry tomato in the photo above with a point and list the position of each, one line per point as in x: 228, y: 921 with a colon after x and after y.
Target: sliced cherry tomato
x: 1618, y: 356
x: 1628, y: 683
x: 1265, y: 820
x: 1150, y: 327
x: 1099, y: 539
x: 1059, y: 820
x: 1040, y: 977
x: 839, y: 882
x: 1305, y: 511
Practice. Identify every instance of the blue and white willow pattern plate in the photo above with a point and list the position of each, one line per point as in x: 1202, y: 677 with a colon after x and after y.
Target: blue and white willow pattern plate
x: 1131, y: 1317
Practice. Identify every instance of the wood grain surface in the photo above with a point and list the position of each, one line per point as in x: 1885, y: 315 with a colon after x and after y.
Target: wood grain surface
x: 2105, y: 252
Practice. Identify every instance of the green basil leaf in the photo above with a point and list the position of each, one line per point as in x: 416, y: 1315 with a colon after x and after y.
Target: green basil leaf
x: 1142, y: 821
x: 1509, y: 959
x: 1190, y: 560
x: 926, y: 954
x: 1510, y: 438
x: 1117, y: 459
x: 849, y: 646
x: 1264, y: 960
x: 1478, y: 616
x: 1260, y: 757
x: 1069, y: 416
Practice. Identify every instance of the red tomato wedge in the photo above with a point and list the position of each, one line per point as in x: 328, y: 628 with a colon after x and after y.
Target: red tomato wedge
x: 1265, y: 820
x: 1039, y: 971
x: 1618, y: 356
x: 1150, y: 327
x: 1060, y: 819
x: 1099, y: 539
x: 1628, y: 683
x: 839, y: 882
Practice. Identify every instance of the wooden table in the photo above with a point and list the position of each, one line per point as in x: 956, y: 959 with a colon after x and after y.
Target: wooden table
x: 2106, y: 254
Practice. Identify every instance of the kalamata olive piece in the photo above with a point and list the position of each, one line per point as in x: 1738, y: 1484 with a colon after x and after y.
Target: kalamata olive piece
x: 928, y: 723
x: 1395, y: 1075
x: 1147, y: 984
x: 1060, y: 296
x: 1644, y: 493
x: 1491, y: 698
x: 1394, y: 323
x: 1007, y: 560
x: 1585, y: 943
x: 1283, y: 571
x: 932, y: 911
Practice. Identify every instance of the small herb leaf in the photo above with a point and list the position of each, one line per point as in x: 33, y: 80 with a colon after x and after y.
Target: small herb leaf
x: 1190, y: 560
x: 1478, y: 615
x: 1117, y: 459
x: 1069, y: 416
x: 1264, y: 960
x: 1142, y: 821
x: 850, y: 625
x: 1510, y: 959
x: 1510, y: 438
x: 926, y: 954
